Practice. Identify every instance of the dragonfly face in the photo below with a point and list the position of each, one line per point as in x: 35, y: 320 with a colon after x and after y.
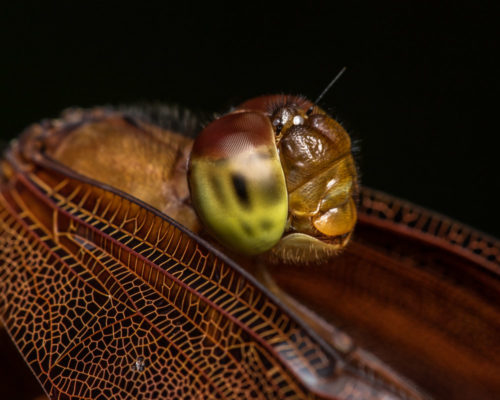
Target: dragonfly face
x: 277, y: 169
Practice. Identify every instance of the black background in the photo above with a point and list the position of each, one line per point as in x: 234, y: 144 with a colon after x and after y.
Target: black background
x: 420, y: 96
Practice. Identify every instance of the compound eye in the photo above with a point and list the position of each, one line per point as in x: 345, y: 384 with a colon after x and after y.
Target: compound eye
x: 237, y: 183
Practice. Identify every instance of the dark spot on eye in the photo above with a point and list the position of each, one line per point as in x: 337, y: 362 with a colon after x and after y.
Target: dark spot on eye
x: 279, y: 127
x: 266, y: 224
x: 272, y: 193
x: 247, y: 228
x: 240, y: 187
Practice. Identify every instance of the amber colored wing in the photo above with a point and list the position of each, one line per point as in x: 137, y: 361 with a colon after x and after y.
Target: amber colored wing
x: 106, y: 298
x: 419, y: 291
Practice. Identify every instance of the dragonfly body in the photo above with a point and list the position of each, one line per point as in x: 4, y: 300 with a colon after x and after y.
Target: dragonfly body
x: 107, y: 297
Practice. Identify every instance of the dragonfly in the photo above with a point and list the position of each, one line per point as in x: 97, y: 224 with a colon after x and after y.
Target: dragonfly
x: 137, y: 261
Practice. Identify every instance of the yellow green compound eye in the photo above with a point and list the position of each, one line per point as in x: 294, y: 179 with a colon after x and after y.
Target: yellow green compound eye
x: 237, y: 183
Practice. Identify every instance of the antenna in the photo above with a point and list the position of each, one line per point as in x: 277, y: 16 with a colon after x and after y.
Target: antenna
x: 328, y: 87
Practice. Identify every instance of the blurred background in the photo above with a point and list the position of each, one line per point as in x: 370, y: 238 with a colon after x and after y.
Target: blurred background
x: 420, y: 95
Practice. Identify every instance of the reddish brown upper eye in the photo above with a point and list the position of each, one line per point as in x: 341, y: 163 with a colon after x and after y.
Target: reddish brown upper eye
x: 233, y: 134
